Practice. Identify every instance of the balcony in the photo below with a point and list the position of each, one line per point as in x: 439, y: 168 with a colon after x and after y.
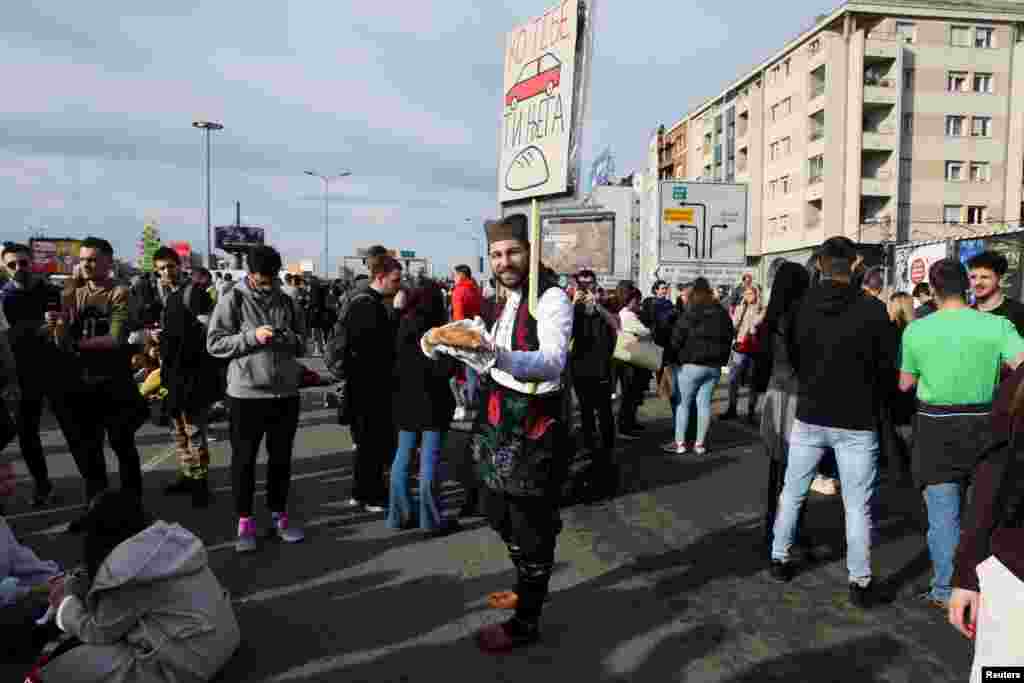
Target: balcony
x: 880, y: 91
x: 878, y: 185
x: 883, y: 138
x: 815, y: 188
x: 881, y: 45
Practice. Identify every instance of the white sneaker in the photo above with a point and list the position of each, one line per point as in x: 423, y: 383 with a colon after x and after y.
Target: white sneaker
x: 675, y: 448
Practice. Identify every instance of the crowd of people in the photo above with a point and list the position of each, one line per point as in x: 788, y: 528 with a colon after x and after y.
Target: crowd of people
x: 840, y: 375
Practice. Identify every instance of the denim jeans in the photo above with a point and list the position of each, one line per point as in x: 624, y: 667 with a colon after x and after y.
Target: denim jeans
x: 400, y: 506
x: 691, y: 381
x: 943, y: 502
x: 857, y: 457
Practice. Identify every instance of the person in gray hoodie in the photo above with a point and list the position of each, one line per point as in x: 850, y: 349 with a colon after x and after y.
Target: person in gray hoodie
x: 256, y: 327
x: 145, y: 608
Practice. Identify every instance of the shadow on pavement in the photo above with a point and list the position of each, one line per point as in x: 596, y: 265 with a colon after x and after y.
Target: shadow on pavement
x: 859, y: 660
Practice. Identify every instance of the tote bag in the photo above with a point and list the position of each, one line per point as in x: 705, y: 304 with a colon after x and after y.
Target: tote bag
x: 642, y: 353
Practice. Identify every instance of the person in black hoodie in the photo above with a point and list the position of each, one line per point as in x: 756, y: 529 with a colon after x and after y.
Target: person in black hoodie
x: 775, y: 377
x: 844, y: 357
x: 701, y: 344
x: 423, y: 408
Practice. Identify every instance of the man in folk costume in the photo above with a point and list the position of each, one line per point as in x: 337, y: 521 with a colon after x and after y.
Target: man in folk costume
x: 521, y: 444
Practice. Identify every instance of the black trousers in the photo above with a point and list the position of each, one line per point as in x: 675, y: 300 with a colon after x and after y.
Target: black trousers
x: 529, y: 526
x: 91, y: 412
x: 30, y: 413
x: 251, y: 420
x: 595, y: 397
x: 634, y: 384
x: 373, y: 431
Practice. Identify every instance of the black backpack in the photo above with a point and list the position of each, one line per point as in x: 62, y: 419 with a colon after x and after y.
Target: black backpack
x: 336, y: 355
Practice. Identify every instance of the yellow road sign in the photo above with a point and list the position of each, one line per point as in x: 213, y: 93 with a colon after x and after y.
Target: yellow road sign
x: 678, y: 216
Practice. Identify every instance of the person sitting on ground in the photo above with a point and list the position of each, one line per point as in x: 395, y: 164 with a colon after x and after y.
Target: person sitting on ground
x: 146, y: 607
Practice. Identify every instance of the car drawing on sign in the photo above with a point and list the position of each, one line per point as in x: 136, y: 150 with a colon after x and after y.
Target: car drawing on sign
x: 542, y: 75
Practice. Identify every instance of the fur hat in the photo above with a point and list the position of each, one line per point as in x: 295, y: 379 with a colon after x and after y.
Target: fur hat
x: 513, y: 227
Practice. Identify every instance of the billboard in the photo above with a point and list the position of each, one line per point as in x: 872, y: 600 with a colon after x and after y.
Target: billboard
x: 702, y: 223
x: 56, y: 256
x: 581, y: 241
x: 237, y: 237
x: 539, y: 100
x: 912, y: 263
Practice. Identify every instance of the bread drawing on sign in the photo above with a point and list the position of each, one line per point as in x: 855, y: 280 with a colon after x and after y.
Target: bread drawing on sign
x: 528, y: 169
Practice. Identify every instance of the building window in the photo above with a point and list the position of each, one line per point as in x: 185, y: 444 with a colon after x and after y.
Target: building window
x: 773, y: 225
x: 956, y: 81
x: 954, y: 126
x: 981, y: 172
x: 773, y: 187
x: 814, y: 47
x: 773, y: 151
x: 906, y: 31
x: 786, y: 68
x: 983, y: 37
x: 818, y: 82
x: 981, y: 127
x: 906, y: 169
x: 908, y: 79
x: 787, y: 185
x: 815, y: 169
x: 773, y: 75
x: 960, y: 36
x: 976, y: 215
x: 787, y: 146
x: 787, y: 106
x: 908, y: 124
x: 952, y: 213
x: 983, y: 83
x: 784, y: 222
x: 774, y: 113
x: 954, y: 171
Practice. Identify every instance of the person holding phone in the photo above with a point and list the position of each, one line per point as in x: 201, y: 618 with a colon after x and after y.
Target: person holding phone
x: 257, y: 328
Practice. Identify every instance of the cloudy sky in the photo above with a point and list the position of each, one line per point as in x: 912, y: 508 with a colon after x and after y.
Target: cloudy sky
x: 95, y: 131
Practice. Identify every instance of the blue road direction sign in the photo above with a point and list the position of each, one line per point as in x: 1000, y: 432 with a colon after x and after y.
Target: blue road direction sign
x: 679, y: 194
x: 408, y: 254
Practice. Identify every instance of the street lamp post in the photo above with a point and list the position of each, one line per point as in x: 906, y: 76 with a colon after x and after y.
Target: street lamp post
x: 207, y: 127
x: 480, y: 248
x: 327, y: 187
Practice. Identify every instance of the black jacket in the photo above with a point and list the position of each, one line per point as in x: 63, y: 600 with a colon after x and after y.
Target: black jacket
x: 702, y: 336
x: 34, y: 353
x: 845, y: 358
x: 370, y: 327
x: 593, y: 345
x: 773, y: 366
x: 423, y: 399
x: 188, y: 372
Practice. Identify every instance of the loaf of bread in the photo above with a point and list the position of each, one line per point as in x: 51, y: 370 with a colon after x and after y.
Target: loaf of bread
x: 456, y: 336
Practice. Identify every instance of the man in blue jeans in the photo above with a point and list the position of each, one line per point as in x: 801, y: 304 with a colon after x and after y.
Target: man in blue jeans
x: 844, y: 348
x: 953, y: 357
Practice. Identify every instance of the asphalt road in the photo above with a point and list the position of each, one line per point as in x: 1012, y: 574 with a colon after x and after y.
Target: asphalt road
x: 666, y: 583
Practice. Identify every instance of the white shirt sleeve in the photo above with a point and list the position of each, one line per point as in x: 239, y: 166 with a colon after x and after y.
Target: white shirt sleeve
x: 554, y: 330
x: 631, y: 323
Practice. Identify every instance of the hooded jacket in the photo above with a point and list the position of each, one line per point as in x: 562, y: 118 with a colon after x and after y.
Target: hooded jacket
x: 254, y: 370
x: 155, y: 613
x: 844, y: 356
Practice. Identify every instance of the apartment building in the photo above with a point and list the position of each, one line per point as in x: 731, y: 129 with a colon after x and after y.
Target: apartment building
x: 887, y: 121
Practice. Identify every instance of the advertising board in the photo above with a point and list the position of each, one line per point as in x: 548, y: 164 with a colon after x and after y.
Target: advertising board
x: 702, y: 223
x: 580, y: 241
x: 539, y: 101
x: 54, y: 256
x: 237, y: 237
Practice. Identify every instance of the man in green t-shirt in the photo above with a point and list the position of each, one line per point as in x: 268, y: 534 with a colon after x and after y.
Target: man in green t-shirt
x: 953, y: 357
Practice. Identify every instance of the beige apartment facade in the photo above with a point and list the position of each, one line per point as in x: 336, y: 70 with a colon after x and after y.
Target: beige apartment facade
x: 888, y: 122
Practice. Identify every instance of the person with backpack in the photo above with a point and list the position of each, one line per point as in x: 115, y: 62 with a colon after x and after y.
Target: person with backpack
x: 190, y: 375
x: 362, y: 355
x: 256, y: 327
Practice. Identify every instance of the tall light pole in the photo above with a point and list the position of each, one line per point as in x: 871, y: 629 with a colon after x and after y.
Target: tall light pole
x: 480, y: 248
x: 327, y: 191
x: 207, y: 127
